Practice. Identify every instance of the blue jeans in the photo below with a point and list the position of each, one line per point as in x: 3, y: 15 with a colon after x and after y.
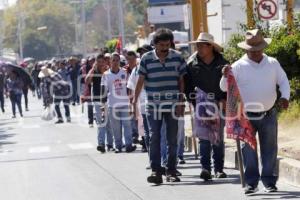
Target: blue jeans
x: 118, y: 118
x: 134, y: 126
x: 155, y: 125
x: 267, y: 134
x: 103, y: 126
x: 163, y: 144
x: 218, y: 152
x: 146, y: 131
x: 181, y: 134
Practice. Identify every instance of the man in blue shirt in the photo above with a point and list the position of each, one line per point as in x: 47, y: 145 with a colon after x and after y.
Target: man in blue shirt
x: 161, y: 72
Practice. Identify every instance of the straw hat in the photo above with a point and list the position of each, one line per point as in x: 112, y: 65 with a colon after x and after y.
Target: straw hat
x: 254, y: 41
x: 207, y: 38
x: 45, y: 72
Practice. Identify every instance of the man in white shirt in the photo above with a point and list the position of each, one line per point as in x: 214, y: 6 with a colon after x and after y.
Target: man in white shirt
x: 113, y: 83
x: 257, y: 76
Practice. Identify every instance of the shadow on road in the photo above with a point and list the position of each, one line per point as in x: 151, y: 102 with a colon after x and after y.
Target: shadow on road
x: 279, y: 195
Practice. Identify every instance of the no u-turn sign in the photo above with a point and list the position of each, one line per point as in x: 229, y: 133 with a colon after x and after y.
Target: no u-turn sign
x: 267, y: 9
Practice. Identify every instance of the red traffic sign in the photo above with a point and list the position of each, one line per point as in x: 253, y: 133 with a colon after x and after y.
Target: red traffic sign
x: 267, y: 9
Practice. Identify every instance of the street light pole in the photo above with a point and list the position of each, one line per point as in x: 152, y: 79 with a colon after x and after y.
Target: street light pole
x: 121, y: 22
x: 83, y: 24
x: 290, y: 14
x: 199, y: 15
x: 20, y: 27
x: 250, y: 14
x: 109, y: 33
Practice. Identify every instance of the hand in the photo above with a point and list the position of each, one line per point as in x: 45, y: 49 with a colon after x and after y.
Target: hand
x: 225, y: 70
x: 283, y: 103
x: 179, y: 112
x: 222, y: 104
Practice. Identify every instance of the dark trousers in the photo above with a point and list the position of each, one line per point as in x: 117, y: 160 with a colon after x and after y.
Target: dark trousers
x: 155, y: 125
x: 25, y: 92
x: 75, y: 97
x: 66, y: 103
x: 206, y: 148
x: 2, y: 101
x: 90, y: 108
x: 16, y: 99
x: 146, y: 131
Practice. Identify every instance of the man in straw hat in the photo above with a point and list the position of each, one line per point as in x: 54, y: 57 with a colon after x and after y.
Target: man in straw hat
x: 204, y: 71
x: 257, y: 76
x: 54, y: 88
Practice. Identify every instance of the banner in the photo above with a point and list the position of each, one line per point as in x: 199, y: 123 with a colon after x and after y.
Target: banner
x: 237, y: 125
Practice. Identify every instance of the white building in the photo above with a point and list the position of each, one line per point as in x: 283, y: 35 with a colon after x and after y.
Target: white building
x: 232, y: 13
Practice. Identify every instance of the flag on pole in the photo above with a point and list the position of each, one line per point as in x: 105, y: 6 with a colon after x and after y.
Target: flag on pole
x: 119, y: 45
x: 238, y: 127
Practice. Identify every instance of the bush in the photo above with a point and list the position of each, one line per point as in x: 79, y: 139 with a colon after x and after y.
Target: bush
x: 285, y: 49
x: 291, y: 115
x: 231, y: 51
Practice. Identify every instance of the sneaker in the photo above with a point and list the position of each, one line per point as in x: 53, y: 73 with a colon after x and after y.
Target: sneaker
x: 110, y: 148
x: 155, y: 178
x: 172, y: 177
x: 144, y: 149
x: 181, y: 160
x: 68, y: 120
x: 91, y: 125
x: 178, y: 173
x: 270, y: 188
x: 250, y: 189
x: 101, y: 148
x: 21, y: 115
x: 205, y: 175
x: 135, y: 140
x: 221, y: 175
x: 118, y: 151
x: 130, y: 149
x: 60, y: 121
x: 26, y: 109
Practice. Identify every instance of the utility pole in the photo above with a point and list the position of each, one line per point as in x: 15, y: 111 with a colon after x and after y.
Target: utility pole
x: 108, y: 7
x: 20, y: 29
x: 199, y: 16
x: 290, y: 14
x: 76, y: 30
x: 83, y: 28
x: 121, y: 22
x: 250, y: 15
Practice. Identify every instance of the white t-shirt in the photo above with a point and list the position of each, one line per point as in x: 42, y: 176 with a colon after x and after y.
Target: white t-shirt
x: 116, y: 88
x: 132, y: 81
x: 257, y: 82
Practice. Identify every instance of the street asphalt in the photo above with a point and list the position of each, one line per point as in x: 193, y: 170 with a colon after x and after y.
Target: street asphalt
x: 43, y: 161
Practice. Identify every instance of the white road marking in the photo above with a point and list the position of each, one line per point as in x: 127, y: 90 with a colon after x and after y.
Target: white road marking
x: 42, y: 149
x: 77, y: 146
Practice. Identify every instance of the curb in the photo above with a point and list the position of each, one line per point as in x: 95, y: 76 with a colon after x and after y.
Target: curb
x: 287, y: 169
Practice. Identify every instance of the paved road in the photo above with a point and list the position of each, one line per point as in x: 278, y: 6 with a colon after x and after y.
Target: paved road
x: 43, y: 161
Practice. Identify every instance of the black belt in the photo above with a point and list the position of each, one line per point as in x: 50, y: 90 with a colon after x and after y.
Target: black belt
x: 264, y: 113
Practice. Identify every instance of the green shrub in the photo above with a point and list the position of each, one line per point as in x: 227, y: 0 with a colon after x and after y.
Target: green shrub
x: 231, y: 51
x: 290, y: 115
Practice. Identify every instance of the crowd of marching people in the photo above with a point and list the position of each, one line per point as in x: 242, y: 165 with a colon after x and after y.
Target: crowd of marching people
x: 139, y: 97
